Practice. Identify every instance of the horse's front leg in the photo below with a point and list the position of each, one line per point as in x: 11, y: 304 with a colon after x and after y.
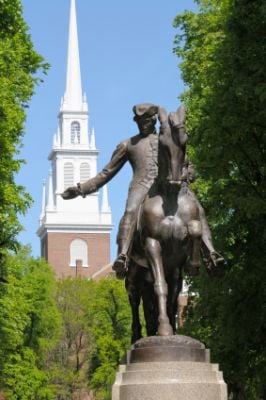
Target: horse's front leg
x: 154, y: 255
x: 134, y: 300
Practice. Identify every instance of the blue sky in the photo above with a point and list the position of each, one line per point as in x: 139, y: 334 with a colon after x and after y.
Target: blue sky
x: 126, y: 58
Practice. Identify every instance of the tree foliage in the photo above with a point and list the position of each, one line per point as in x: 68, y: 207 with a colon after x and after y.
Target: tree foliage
x: 95, y: 335
x: 19, y: 64
x: 68, y: 361
x: 29, y: 327
x: 223, y: 57
x: 111, y: 319
x: 59, y: 339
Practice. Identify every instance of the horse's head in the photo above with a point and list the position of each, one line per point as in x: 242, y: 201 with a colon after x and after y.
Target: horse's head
x: 172, y: 149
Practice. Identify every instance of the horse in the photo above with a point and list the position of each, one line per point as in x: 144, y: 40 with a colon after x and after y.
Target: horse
x: 167, y: 239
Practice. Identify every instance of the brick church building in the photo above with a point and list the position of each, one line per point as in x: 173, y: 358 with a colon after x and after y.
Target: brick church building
x: 74, y: 234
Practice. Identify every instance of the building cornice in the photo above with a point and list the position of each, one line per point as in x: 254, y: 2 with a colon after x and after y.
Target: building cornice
x: 73, y: 112
x: 73, y: 228
x: 71, y: 152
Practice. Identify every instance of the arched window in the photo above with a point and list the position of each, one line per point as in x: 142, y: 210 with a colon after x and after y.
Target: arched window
x: 68, y: 175
x: 78, y: 251
x: 75, y: 132
x: 84, y: 171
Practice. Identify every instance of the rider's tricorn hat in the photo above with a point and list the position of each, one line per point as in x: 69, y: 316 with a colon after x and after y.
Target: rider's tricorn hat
x: 145, y: 110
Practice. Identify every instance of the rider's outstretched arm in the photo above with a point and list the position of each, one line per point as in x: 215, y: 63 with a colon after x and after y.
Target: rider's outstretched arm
x: 119, y: 158
x: 117, y: 161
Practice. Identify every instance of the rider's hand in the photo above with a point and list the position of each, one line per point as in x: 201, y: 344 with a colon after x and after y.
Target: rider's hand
x: 71, y: 193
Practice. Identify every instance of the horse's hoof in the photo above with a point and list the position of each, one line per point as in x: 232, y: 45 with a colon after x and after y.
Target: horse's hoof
x: 165, y: 329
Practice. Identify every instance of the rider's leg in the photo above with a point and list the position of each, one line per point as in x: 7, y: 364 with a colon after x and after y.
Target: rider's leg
x: 127, y: 228
x: 215, y: 258
x: 195, y: 232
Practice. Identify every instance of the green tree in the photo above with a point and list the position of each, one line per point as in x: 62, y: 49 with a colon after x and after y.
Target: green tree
x: 29, y: 327
x: 111, y: 320
x: 223, y: 56
x: 68, y: 361
x: 96, y: 332
x: 19, y: 64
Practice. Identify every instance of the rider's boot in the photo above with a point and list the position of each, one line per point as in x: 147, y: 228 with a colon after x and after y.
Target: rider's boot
x: 213, y: 258
x: 125, y: 235
x: 120, y: 266
x: 216, y: 259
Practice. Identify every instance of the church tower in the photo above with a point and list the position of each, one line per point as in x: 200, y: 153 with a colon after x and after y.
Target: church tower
x: 74, y: 234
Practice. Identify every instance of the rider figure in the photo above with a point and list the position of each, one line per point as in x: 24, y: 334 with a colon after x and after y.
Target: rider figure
x: 141, y: 151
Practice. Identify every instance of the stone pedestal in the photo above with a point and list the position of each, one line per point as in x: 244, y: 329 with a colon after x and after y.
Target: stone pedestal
x: 169, y: 368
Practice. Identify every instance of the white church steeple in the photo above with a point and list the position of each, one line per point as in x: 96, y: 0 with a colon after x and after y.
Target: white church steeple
x: 73, y: 159
x: 73, y: 115
x: 73, y: 99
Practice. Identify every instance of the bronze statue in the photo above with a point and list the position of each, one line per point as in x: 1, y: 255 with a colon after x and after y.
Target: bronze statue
x: 164, y: 228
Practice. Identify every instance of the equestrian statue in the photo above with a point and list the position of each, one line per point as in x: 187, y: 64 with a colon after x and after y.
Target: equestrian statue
x: 164, y: 230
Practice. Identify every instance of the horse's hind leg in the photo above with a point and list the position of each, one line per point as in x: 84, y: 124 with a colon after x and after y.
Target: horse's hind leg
x: 174, y: 288
x: 150, y: 308
x: 134, y: 296
x: 153, y: 252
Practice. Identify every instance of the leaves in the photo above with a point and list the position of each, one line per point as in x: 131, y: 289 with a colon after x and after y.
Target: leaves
x: 223, y: 56
x: 68, y: 361
x: 95, y: 334
x: 29, y: 326
x: 111, y: 320
x: 19, y: 64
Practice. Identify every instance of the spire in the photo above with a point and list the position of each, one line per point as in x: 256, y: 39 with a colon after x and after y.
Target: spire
x: 73, y: 99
